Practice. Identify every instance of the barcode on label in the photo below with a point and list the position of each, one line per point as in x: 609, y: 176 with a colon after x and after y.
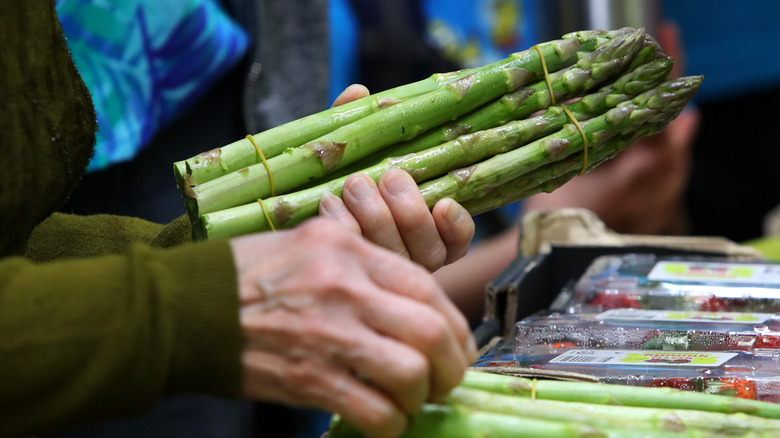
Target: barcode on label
x: 584, y: 359
x: 584, y: 356
x: 644, y: 358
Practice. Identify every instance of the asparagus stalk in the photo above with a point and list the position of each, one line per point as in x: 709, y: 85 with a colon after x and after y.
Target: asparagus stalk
x: 661, y: 103
x: 400, y: 122
x: 291, y: 209
x: 451, y: 421
x: 610, y: 416
x: 239, y: 154
x: 550, y: 177
x: 590, y: 70
x: 608, y: 394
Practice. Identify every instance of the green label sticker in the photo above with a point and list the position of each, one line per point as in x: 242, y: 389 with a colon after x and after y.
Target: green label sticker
x: 664, y: 358
x: 684, y: 316
x: 648, y: 358
x: 714, y: 272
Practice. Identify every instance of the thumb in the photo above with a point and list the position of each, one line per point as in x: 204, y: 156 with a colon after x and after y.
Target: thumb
x: 353, y: 92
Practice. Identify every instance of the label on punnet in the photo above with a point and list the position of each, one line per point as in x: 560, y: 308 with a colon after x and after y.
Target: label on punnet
x: 644, y: 358
x: 717, y: 272
x: 684, y: 316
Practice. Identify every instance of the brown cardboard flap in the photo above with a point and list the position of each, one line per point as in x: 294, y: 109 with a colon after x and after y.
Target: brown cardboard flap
x: 581, y: 227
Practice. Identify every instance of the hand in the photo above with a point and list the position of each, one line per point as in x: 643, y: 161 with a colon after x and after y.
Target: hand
x: 337, y: 323
x: 641, y: 190
x: 394, y: 215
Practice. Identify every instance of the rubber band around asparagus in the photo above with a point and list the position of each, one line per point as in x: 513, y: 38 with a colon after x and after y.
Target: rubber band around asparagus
x: 546, y: 74
x: 566, y: 110
x: 267, y: 216
x: 584, y: 138
x: 270, y: 180
x: 265, y: 163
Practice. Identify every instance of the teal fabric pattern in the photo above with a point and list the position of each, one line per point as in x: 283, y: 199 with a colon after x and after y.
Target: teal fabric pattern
x: 145, y: 61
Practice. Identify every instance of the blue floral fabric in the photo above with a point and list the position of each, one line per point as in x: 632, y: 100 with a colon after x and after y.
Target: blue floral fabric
x: 145, y: 61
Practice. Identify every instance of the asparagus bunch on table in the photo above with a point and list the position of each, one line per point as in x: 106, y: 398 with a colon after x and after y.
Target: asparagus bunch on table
x: 441, y: 130
x: 492, y: 405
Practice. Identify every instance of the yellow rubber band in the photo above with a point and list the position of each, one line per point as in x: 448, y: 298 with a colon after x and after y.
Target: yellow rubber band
x: 265, y: 163
x: 566, y: 110
x: 584, y: 138
x: 267, y: 216
x: 546, y: 74
x: 533, y: 390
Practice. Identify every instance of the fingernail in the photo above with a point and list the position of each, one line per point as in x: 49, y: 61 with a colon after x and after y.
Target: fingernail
x: 397, y: 184
x: 331, y: 203
x: 359, y: 188
x: 453, y: 212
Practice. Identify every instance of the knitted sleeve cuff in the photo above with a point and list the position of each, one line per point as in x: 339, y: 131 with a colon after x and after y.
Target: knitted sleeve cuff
x: 198, y: 283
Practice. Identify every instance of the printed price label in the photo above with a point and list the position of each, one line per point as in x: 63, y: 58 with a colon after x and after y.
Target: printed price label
x: 741, y: 273
x: 644, y: 358
x: 684, y: 316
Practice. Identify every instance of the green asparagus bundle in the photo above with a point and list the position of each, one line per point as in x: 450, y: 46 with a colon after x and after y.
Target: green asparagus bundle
x: 451, y: 132
x: 492, y: 405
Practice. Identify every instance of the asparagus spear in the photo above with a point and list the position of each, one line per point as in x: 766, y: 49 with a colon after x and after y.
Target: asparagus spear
x: 451, y: 421
x: 239, y: 154
x: 400, y: 122
x: 661, y: 103
x: 608, y: 394
x: 590, y: 70
x: 550, y: 177
x: 288, y: 210
x: 611, y: 416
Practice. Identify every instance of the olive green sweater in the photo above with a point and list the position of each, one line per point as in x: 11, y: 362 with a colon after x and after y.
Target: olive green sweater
x: 100, y: 316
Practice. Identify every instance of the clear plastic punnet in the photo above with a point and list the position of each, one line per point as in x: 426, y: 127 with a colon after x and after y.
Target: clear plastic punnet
x: 645, y: 281
x: 729, y: 353
x: 639, y: 329
x: 731, y: 373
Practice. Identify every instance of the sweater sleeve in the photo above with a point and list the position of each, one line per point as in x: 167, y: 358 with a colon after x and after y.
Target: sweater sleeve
x: 89, y: 336
x: 68, y: 235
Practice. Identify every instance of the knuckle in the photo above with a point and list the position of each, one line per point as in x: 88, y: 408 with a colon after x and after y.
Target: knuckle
x: 301, y: 375
x: 329, y: 278
x: 435, y: 258
x: 427, y: 290
x: 412, y: 371
x: 434, y: 333
x: 326, y: 272
x: 410, y: 215
x: 320, y: 229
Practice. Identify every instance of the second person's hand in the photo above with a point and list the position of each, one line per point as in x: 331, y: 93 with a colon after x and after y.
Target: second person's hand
x: 394, y: 215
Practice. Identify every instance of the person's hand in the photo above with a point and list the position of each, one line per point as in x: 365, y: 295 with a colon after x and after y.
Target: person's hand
x: 335, y: 322
x: 641, y: 190
x: 394, y: 215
